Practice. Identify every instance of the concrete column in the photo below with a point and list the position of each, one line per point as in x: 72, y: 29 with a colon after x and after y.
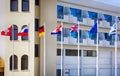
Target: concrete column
x: 48, y: 15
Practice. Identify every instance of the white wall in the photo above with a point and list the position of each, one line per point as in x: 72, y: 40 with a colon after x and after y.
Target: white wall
x: 2, y: 26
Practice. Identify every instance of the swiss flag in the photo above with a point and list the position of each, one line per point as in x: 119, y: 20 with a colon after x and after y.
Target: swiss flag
x: 7, y: 32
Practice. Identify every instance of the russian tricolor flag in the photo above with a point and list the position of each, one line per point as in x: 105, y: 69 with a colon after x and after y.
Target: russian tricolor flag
x: 57, y: 30
x: 23, y: 32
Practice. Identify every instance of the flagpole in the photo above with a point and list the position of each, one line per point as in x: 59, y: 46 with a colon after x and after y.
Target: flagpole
x: 44, y: 51
x: 97, y: 52
x: 28, y: 51
x: 61, y: 50
x: 13, y: 50
x: 78, y: 53
x: 116, y: 49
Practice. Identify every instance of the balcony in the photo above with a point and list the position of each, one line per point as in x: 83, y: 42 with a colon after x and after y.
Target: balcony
x: 104, y: 24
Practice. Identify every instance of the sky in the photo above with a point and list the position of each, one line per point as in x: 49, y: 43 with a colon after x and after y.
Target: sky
x: 112, y: 2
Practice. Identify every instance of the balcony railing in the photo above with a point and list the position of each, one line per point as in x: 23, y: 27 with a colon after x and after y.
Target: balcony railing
x: 88, y: 42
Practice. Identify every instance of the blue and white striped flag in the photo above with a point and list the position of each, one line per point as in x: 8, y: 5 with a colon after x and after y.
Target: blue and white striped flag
x: 113, y: 29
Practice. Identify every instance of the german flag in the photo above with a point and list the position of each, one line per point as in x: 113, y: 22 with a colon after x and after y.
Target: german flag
x: 41, y: 31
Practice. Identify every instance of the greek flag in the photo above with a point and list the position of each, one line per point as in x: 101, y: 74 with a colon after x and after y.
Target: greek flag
x: 113, y: 29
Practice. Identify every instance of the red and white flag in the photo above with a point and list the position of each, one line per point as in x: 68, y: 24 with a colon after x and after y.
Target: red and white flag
x: 7, y: 32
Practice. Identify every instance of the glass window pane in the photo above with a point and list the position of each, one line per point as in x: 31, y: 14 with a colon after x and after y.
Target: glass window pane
x: 24, y: 62
x: 76, y: 13
x: 36, y: 50
x: 60, y: 12
x: 66, y: 11
x: 36, y: 24
x: 108, y: 18
x: 84, y: 34
x: 92, y: 15
x: 58, y: 37
x: 25, y: 5
x: 89, y: 53
x: 15, y: 31
x: 58, y: 52
x: 101, y: 36
x: 14, y: 5
x: 66, y: 32
x: 36, y: 2
x: 84, y: 14
x: 72, y: 52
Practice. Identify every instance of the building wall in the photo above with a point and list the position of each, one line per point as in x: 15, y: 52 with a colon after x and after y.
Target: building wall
x: 106, y: 54
x: 20, y: 18
x: 2, y: 26
x: 48, y: 16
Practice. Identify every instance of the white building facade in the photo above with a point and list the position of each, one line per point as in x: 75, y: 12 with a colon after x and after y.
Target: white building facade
x: 28, y: 52
x: 87, y: 13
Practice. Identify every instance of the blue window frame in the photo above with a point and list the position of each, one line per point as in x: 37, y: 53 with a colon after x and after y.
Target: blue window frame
x: 108, y: 18
x: 60, y: 12
x: 92, y: 15
x: 76, y: 13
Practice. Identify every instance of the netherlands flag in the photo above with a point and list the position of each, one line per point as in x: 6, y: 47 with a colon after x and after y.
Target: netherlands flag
x: 58, y: 30
x: 23, y: 32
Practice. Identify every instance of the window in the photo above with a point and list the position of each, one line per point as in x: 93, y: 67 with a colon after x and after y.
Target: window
x: 58, y: 52
x: 24, y: 62
x: 72, y: 52
x: 25, y: 5
x: 66, y: 32
x: 24, y: 37
x: 76, y: 13
x: 108, y: 18
x: 36, y: 2
x: 36, y: 50
x: 14, y: 31
x: 58, y: 37
x: 14, y: 5
x: 84, y: 14
x: 60, y: 12
x: 92, y: 15
x: 89, y: 53
x: 101, y: 36
x: 84, y: 35
x: 66, y: 11
x: 119, y: 18
x: 14, y: 59
x: 107, y: 37
x: 58, y: 72
x: 36, y: 24
x: 118, y: 37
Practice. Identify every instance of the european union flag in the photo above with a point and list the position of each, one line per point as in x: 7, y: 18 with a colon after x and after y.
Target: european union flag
x: 94, y: 29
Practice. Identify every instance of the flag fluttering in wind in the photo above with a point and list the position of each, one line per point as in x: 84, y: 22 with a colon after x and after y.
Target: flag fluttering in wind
x: 57, y: 30
x: 23, y: 32
x: 7, y: 32
x: 93, y: 29
x: 74, y: 30
x: 41, y: 31
x: 113, y: 30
